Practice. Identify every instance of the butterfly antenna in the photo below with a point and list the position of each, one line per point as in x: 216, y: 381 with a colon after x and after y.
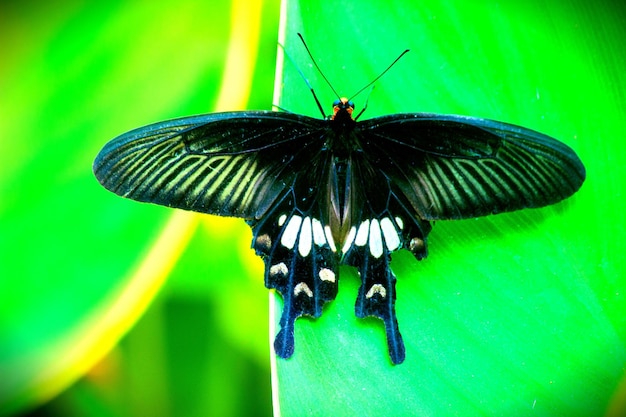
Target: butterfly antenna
x: 367, y: 100
x: 319, y: 105
x: 317, y: 66
x: 379, y: 75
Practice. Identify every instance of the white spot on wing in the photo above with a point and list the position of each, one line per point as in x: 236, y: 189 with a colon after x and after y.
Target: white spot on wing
x: 264, y: 242
x: 281, y: 219
x: 376, y: 289
x: 290, y: 234
x: 376, y: 240
x: 362, y: 233
x: 400, y: 223
x: 302, y: 287
x: 327, y: 275
x: 318, y: 233
x: 306, y: 238
x: 329, y: 238
x: 349, y: 240
x: 280, y: 268
x: 392, y: 240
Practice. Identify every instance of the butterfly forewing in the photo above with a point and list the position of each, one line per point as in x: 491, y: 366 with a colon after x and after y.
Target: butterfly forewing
x: 453, y: 167
x: 232, y: 164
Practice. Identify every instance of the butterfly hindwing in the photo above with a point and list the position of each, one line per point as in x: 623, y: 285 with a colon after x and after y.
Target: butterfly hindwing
x: 377, y: 233
x: 300, y: 263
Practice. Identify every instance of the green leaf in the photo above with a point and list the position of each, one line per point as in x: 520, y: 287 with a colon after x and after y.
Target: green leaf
x: 511, y: 314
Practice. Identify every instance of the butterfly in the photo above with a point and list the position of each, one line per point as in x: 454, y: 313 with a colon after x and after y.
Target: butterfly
x: 320, y: 193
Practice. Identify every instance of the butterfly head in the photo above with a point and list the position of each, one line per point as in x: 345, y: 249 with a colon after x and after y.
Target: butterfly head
x: 342, y: 109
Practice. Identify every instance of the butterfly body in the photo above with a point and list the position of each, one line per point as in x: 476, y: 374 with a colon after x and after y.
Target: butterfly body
x: 319, y: 193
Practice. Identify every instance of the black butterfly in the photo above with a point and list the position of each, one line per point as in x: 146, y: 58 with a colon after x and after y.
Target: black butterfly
x: 319, y: 193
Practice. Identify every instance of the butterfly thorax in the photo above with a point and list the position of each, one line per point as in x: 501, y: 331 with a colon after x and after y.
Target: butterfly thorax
x: 342, y: 122
x: 341, y: 140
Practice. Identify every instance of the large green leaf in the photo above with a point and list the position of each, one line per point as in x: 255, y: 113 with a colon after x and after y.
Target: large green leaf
x: 510, y: 314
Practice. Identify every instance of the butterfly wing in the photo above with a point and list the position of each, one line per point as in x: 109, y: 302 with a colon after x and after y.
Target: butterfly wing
x: 263, y: 166
x: 383, y: 222
x: 414, y: 168
x: 231, y: 164
x: 454, y: 167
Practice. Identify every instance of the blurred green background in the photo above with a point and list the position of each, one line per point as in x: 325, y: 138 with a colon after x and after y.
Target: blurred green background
x: 79, y: 265
x: 516, y: 314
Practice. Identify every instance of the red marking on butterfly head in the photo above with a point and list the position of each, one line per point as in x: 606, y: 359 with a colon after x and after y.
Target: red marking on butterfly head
x: 342, y: 109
